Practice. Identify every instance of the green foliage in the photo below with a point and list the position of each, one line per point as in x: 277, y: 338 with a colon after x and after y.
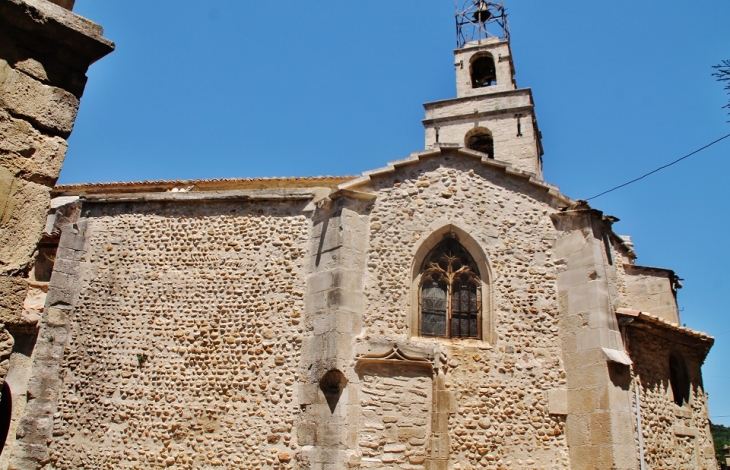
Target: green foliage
x: 721, y: 436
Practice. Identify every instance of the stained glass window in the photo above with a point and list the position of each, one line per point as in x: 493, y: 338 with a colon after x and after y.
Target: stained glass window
x: 450, y: 292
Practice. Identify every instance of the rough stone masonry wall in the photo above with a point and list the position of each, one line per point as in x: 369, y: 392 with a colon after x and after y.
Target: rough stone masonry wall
x: 45, y: 51
x: 674, y: 436
x: 184, y: 344
x: 500, y: 417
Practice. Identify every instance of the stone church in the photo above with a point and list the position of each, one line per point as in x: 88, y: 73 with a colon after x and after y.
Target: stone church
x: 450, y: 310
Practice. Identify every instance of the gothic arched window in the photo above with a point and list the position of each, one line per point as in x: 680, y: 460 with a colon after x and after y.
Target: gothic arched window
x: 450, y: 292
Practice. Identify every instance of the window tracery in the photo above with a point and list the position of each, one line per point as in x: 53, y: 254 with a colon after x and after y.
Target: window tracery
x: 450, y: 292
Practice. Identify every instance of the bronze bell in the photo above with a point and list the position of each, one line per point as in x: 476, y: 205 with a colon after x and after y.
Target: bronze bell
x: 482, y: 15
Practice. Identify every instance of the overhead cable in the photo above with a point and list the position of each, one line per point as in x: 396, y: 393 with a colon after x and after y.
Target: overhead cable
x: 660, y: 168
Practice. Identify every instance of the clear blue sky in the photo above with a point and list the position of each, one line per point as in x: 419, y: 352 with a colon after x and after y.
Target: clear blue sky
x: 259, y: 88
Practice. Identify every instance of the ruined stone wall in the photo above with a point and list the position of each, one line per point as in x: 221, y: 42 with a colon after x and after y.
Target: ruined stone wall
x: 674, y: 436
x: 498, y: 415
x: 183, y: 348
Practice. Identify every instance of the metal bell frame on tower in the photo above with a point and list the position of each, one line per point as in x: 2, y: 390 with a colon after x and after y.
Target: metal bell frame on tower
x: 480, y: 19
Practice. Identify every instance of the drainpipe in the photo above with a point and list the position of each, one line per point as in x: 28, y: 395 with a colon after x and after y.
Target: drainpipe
x: 639, y: 428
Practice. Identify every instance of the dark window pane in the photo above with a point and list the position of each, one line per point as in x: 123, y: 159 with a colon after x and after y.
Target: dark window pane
x: 449, y: 254
x: 465, y: 298
x: 433, y: 296
x: 433, y: 324
x: 455, y: 327
x: 464, y: 325
x: 473, y: 329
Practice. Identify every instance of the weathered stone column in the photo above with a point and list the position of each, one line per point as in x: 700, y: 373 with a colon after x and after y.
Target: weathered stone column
x: 45, y: 51
x: 599, y: 426
x: 35, y: 428
x: 333, y: 317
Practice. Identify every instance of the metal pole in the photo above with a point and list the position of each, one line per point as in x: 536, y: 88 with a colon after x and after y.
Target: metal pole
x: 640, y: 431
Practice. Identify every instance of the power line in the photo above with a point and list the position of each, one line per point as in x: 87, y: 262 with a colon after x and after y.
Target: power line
x: 660, y: 168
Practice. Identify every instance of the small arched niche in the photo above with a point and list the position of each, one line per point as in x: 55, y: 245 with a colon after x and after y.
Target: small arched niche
x: 483, y: 71
x: 332, y: 384
x: 679, y: 379
x: 481, y: 140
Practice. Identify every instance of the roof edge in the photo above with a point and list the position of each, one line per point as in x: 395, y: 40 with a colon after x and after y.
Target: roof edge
x: 662, y: 323
x: 392, y: 167
x: 221, y: 184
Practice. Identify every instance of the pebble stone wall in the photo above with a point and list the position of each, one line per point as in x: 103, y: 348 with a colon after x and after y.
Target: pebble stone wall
x: 185, y: 344
x: 661, y: 417
x: 501, y: 417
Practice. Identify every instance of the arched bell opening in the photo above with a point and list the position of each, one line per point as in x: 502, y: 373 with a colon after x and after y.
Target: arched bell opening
x: 481, y: 140
x: 483, y: 71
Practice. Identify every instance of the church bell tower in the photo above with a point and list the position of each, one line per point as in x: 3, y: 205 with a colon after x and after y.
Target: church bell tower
x: 489, y: 114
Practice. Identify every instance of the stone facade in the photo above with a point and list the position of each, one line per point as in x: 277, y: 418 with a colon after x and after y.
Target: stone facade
x: 284, y: 323
x: 674, y: 436
x: 171, y: 351
x: 45, y: 51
